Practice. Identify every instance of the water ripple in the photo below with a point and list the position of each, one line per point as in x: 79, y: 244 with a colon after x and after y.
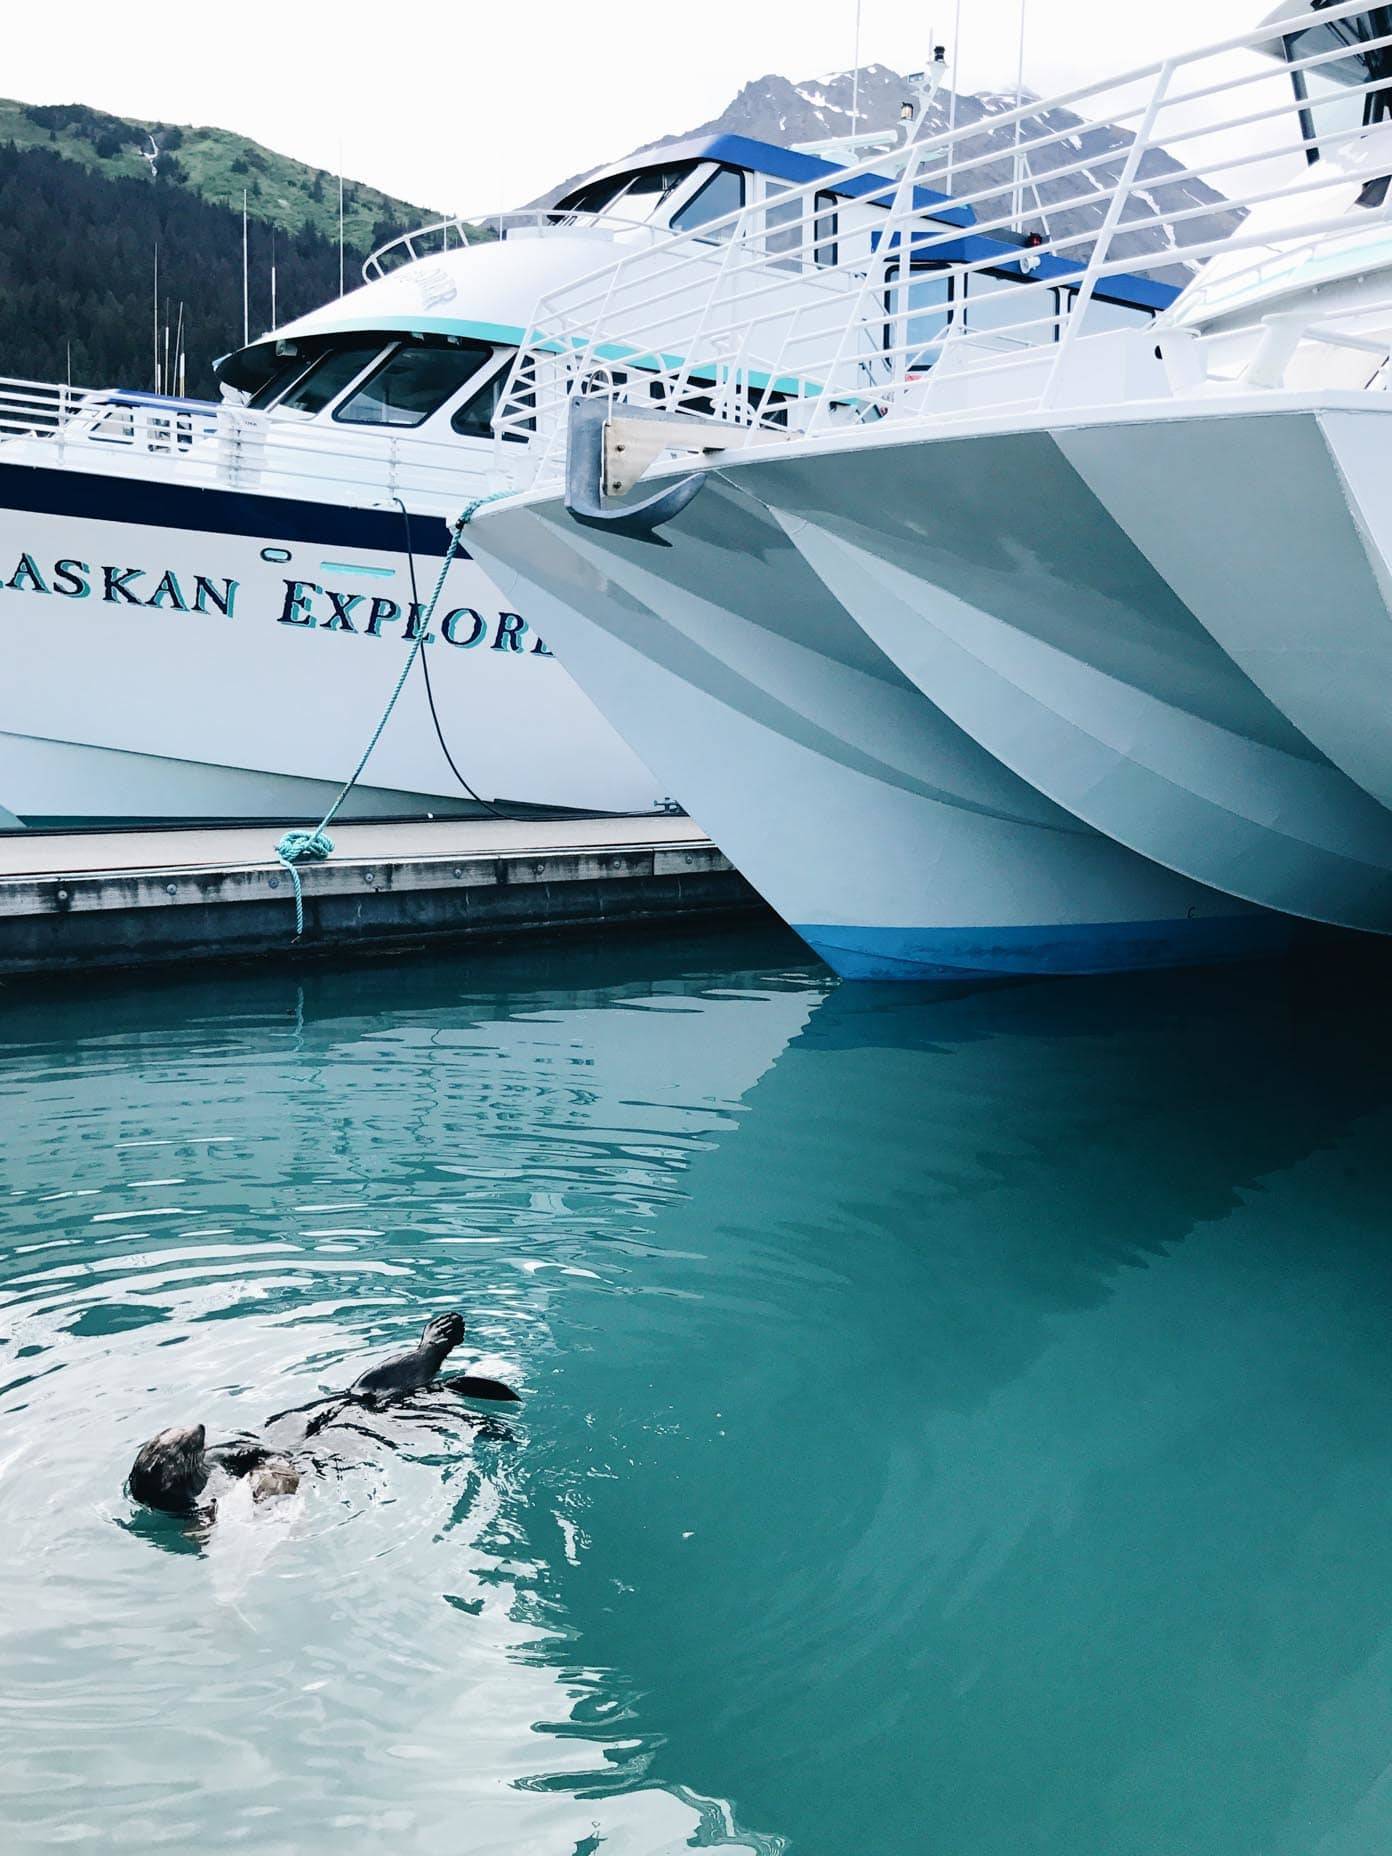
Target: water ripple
x: 372, y: 1656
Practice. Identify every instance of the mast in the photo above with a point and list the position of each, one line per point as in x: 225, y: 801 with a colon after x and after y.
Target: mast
x: 177, y: 377
x: 246, y: 277
x: 156, y: 319
x: 952, y: 95
x: 340, y: 218
x: 1017, y: 197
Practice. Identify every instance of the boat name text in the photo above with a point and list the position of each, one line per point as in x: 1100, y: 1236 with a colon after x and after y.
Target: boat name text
x: 305, y: 603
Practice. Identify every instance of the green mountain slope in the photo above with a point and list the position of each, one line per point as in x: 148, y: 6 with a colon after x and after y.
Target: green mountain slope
x: 214, y: 164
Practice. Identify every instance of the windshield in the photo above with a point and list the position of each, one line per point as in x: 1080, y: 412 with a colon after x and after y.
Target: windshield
x: 1334, y: 105
x: 412, y: 383
x: 271, y: 390
x: 1223, y: 289
x: 627, y: 196
x: 329, y: 375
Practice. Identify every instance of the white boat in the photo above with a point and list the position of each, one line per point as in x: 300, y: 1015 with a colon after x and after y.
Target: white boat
x: 1142, y: 570
x: 207, y: 605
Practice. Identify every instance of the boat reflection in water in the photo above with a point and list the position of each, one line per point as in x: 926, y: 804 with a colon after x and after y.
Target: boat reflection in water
x: 1018, y: 1462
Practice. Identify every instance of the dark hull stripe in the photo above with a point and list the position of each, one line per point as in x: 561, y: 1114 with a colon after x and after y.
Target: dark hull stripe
x: 42, y: 490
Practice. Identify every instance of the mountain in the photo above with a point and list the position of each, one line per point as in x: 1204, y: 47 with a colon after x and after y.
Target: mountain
x: 775, y: 109
x: 214, y: 164
x: 86, y: 197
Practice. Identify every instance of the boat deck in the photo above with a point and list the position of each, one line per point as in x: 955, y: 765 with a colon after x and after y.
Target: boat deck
x: 75, y: 901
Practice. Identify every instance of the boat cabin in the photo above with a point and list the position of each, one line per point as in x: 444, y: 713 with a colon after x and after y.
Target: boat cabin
x: 425, y: 345
x: 1322, y: 243
x: 702, y: 181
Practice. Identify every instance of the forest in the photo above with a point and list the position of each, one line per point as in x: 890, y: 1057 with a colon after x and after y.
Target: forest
x: 77, y: 271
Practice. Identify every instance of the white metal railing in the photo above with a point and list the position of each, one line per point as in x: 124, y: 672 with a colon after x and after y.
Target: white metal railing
x: 446, y: 235
x: 428, y: 241
x: 1207, y: 155
x: 152, y: 437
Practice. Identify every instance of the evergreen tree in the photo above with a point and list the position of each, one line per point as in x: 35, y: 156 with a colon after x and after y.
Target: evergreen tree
x: 77, y: 266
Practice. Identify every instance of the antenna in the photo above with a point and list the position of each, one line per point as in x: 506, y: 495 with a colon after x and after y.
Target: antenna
x: 340, y: 215
x: 246, y: 276
x: 273, y: 277
x: 855, y: 75
x: 157, y: 365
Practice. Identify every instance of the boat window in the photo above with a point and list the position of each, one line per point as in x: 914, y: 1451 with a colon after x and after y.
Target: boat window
x: 1013, y: 311
x: 116, y: 427
x: 723, y: 193
x: 330, y: 374
x: 782, y: 230
x: 1100, y: 315
x: 769, y: 406
x: 647, y: 191
x: 824, y: 251
x: 411, y: 384
x: 592, y: 198
x: 474, y: 419
x: 270, y: 391
x: 918, y: 313
x: 1323, y: 89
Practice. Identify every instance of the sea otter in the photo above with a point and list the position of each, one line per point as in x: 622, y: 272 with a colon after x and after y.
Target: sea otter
x: 406, y: 1372
x: 413, y: 1371
x: 172, y: 1470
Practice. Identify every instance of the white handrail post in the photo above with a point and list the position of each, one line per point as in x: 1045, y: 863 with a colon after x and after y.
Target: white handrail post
x: 876, y: 271
x: 736, y: 231
x: 1115, y: 207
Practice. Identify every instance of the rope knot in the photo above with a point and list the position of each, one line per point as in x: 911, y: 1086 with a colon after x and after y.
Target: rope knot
x: 314, y: 847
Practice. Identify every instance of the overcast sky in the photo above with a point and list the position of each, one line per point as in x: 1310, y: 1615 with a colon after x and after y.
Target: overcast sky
x: 471, y: 107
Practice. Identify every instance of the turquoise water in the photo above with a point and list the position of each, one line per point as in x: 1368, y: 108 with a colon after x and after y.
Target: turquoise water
x: 957, y: 1424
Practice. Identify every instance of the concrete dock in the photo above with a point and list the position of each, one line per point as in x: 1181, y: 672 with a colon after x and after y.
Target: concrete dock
x: 77, y: 902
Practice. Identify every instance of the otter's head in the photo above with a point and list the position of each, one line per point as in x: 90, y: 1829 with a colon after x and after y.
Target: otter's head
x: 443, y: 1333
x: 169, y: 1472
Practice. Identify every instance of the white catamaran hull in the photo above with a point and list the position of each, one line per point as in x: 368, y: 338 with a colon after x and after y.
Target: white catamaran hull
x: 180, y: 653
x: 1274, y: 526
x: 1005, y: 575
x: 881, y: 831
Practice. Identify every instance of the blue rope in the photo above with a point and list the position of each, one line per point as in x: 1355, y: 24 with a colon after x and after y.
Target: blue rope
x: 314, y: 846
x: 472, y: 508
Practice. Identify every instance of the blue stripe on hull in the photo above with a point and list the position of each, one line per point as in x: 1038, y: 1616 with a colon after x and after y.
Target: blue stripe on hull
x: 1084, y: 947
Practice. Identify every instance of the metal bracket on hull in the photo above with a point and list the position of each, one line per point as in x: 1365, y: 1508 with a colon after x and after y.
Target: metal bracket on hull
x: 608, y: 449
